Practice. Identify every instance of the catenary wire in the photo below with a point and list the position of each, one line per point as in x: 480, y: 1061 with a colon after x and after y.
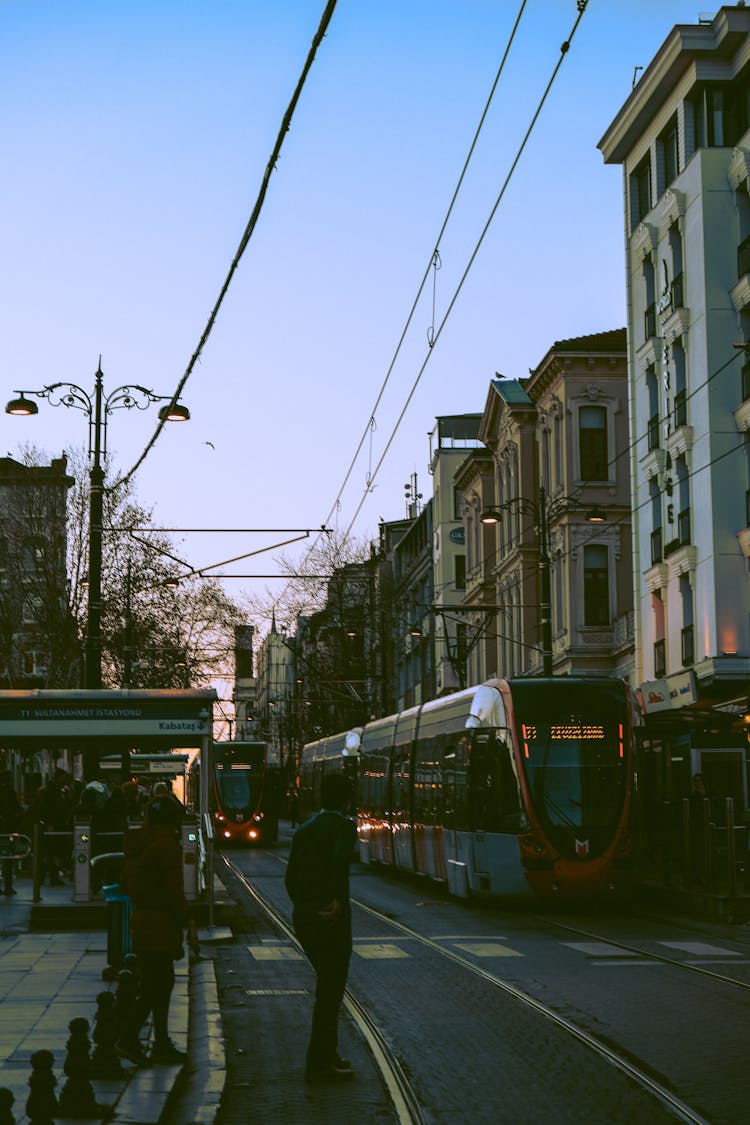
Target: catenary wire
x: 246, y: 236
x: 581, y: 5
x: 368, y: 427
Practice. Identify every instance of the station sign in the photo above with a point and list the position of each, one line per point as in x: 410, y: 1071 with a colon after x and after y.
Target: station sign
x: 32, y: 716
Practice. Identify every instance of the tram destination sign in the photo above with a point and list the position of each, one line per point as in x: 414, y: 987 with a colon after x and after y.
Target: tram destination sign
x: 44, y: 718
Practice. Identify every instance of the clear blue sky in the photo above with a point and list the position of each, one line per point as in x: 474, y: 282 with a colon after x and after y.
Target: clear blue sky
x: 134, y: 137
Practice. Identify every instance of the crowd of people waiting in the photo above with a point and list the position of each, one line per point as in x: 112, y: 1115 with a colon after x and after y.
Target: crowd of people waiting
x: 110, y: 806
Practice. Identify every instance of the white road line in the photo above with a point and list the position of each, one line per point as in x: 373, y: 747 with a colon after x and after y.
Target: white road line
x: 700, y: 948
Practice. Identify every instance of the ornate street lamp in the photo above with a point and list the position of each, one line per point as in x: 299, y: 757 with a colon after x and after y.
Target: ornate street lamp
x: 543, y: 512
x: 97, y: 409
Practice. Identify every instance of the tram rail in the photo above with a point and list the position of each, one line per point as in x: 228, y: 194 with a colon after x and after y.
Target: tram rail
x: 404, y: 1099
x: 646, y: 954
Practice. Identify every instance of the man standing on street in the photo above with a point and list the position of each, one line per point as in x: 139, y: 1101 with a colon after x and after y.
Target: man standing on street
x: 317, y: 880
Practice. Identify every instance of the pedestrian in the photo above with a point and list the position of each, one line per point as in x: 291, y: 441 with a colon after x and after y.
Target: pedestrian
x: 317, y: 881
x: 293, y: 803
x: 153, y: 881
x: 55, y: 812
x: 10, y: 821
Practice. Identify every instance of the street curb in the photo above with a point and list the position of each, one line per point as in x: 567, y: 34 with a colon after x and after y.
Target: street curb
x: 205, y: 1078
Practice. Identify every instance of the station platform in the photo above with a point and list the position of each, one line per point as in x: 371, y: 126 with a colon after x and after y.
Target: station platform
x: 53, y: 974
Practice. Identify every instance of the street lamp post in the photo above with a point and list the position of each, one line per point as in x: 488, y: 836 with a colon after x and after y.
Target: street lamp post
x: 97, y: 408
x: 543, y: 512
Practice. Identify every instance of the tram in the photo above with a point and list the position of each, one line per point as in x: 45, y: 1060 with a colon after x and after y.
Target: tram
x: 246, y: 794
x: 519, y: 787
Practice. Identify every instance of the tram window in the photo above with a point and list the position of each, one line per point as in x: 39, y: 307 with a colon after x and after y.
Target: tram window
x: 454, y: 782
x: 427, y: 782
x: 495, y: 802
x: 400, y: 801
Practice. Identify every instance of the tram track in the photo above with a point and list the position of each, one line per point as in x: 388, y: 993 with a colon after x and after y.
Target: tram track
x: 404, y: 1099
x: 646, y: 954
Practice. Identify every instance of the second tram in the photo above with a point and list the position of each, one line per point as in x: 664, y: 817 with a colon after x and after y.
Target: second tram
x: 512, y: 787
x: 246, y: 794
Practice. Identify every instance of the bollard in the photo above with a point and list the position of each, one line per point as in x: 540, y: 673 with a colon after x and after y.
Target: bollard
x: 7, y: 1097
x: 81, y: 862
x: 41, y: 1104
x: 78, y: 1098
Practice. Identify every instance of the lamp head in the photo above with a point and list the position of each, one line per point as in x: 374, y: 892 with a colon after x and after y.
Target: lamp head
x: 596, y: 515
x: 490, y: 516
x: 174, y: 412
x: 22, y: 406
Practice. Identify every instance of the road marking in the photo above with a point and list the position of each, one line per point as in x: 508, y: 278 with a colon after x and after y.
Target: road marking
x: 699, y: 948
x: 277, y: 992
x: 599, y: 949
x: 274, y: 953
x: 488, y: 949
x: 379, y: 951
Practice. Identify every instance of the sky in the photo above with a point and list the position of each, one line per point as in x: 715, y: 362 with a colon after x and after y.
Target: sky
x: 134, y: 138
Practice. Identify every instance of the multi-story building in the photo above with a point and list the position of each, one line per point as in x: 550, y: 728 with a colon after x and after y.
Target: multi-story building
x: 39, y: 646
x: 452, y: 438
x: 683, y: 142
x: 554, y: 574
x: 244, y: 688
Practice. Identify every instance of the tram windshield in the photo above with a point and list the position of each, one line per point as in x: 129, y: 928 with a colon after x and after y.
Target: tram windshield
x: 572, y: 749
x: 239, y: 778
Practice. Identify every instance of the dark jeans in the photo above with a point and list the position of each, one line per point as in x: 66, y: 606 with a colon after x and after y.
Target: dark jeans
x: 155, y: 984
x: 329, y: 948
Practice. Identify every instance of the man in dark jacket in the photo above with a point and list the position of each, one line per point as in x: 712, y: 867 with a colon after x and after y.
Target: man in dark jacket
x: 10, y: 821
x: 154, y: 883
x: 317, y: 880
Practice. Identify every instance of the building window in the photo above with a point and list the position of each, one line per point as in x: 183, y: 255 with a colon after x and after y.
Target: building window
x: 458, y: 504
x: 460, y: 572
x: 669, y: 155
x: 595, y: 585
x: 687, y: 635
x: 680, y: 398
x: 649, y: 316
x: 640, y: 191
x: 592, y: 425
x: 33, y: 609
x: 558, y: 452
x: 660, y: 659
x: 720, y: 113
x: 746, y: 382
x: 656, y: 537
x: 743, y: 257
x: 652, y: 386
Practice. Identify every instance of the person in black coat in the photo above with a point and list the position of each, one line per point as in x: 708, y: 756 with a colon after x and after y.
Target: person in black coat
x: 317, y: 881
x: 10, y: 821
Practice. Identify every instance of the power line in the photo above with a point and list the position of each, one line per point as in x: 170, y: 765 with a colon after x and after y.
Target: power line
x: 565, y: 47
x: 368, y: 427
x: 247, y: 234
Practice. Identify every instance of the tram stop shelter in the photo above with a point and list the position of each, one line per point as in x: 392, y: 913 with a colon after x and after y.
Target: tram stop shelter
x: 93, y: 726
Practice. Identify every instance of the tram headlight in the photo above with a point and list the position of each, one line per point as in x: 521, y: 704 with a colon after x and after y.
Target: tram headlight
x: 227, y: 835
x: 220, y: 817
x: 252, y: 834
x: 258, y: 817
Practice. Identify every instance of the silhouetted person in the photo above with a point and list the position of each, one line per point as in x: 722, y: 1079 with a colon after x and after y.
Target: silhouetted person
x: 153, y: 882
x: 10, y: 821
x: 317, y: 880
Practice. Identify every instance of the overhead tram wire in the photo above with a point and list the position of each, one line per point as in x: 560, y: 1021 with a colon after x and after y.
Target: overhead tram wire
x: 428, y: 268
x: 247, y: 234
x: 565, y: 47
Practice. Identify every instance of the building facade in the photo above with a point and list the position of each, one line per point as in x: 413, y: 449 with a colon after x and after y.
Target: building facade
x: 553, y: 572
x: 683, y: 143
x: 39, y: 644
